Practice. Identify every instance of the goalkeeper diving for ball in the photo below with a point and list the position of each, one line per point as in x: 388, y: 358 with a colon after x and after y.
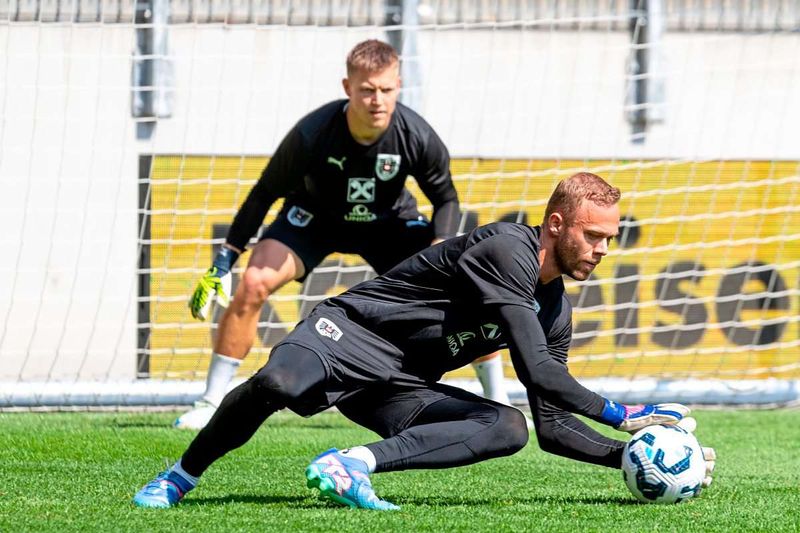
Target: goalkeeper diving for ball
x: 378, y: 350
x: 342, y: 170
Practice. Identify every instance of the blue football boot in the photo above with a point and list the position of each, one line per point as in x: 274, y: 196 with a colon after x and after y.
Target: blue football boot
x: 166, y: 490
x: 344, y: 480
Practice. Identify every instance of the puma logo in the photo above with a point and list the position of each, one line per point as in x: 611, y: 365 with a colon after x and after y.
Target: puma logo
x: 339, y: 163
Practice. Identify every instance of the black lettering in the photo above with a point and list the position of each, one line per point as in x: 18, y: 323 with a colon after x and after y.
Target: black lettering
x: 626, y: 292
x: 589, y: 296
x: 731, y: 311
x: 692, y: 312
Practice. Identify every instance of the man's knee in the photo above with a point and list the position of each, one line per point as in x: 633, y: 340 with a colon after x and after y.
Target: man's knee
x: 291, y: 372
x: 256, y: 285
x: 272, y: 265
x: 515, y: 429
x: 507, y: 434
x: 278, y: 384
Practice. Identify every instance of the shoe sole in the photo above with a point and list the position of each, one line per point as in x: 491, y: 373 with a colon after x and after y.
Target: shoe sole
x: 151, y: 505
x: 327, y: 488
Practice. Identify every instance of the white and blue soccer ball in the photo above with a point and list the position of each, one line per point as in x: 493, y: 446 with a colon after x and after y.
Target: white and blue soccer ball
x: 663, y: 464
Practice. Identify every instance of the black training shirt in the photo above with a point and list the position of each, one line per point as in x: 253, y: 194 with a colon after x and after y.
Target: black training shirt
x: 472, y: 295
x: 320, y: 167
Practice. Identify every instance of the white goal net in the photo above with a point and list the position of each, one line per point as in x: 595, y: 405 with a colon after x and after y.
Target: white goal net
x: 131, y: 132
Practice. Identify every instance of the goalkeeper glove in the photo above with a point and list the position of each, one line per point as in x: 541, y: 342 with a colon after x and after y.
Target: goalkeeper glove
x: 632, y: 418
x: 709, y: 454
x: 216, y: 281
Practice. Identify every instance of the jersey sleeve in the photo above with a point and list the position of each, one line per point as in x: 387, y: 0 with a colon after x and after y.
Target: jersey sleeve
x: 433, y: 176
x: 502, y: 271
x: 283, y: 174
x: 539, y: 370
x: 560, y: 432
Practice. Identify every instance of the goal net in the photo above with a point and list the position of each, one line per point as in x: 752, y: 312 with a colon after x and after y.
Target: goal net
x: 131, y: 133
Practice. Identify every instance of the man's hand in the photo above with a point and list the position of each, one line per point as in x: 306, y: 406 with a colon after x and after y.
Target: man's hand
x: 216, y: 281
x: 709, y: 454
x: 632, y: 418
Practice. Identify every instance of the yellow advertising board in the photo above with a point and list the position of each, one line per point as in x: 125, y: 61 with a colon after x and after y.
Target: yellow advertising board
x: 704, y: 281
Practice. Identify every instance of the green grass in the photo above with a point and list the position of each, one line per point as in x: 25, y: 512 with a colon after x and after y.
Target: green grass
x: 78, y: 472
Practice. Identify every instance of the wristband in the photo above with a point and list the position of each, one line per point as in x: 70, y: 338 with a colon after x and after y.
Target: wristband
x: 613, y: 413
x: 224, y: 260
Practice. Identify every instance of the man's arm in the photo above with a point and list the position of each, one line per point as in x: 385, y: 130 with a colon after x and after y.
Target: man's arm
x: 542, y: 375
x: 434, y: 179
x: 281, y: 175
x: 277, y: 180
x: 501, y: 269
x: 545, y: 377
x: 562, y: 433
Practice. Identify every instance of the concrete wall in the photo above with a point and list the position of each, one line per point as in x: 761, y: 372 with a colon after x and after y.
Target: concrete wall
x: 69, y: 154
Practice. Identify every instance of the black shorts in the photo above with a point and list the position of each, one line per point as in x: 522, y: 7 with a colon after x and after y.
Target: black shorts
x: 382, y: 244
x: 354, y: 358
x: 366, y: 377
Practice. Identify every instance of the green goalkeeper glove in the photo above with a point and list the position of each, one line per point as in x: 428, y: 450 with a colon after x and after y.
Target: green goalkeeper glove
x: 216, y: 281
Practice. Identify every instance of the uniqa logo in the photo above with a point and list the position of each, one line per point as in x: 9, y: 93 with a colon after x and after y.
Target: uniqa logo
x: 360, y: 213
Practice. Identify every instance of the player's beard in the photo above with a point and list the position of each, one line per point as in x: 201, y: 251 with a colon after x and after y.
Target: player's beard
x: 568, y: 260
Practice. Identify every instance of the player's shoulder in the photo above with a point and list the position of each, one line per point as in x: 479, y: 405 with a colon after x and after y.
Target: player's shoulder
x: 318, y: 120
x: 524, y: 233
x: 412, y: 123
x: 511, y: 246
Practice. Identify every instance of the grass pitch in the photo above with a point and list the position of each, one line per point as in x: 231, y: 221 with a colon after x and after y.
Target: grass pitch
x: 78, y: 471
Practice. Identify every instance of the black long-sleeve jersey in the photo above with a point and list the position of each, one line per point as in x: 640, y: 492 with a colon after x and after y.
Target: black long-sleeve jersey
x: 320, y: 167
x: 475, y: 294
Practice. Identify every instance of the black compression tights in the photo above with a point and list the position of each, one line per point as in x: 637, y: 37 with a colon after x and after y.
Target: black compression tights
x: 290, y: 372
x: 453, y: 432
x: 459, y: 429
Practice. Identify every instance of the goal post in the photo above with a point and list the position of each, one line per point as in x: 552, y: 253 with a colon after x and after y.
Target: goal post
x: 107, y: 229
x: 697, y: 293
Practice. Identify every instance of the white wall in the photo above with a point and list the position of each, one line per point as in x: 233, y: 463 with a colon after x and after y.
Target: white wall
x: 497, y: 93
x: 69, y: 155
x: 67, y: 203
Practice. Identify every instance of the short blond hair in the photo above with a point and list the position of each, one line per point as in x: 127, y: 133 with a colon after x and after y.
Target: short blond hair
x: 582, y: 186
x: 371, y: 56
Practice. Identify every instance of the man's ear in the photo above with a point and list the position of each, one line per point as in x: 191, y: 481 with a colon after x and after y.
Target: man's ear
x: 555, y: 224
x: 346, y: 86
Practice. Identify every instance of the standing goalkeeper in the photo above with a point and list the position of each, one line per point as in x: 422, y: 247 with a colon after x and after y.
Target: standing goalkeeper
x: 378, y: 350
x: 342, y: 171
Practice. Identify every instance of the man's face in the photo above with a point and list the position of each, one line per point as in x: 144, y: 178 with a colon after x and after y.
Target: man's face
x: 373, y: 98
x: 584, y: 242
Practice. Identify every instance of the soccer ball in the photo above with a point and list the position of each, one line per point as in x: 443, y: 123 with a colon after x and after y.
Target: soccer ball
x: 663, y: 464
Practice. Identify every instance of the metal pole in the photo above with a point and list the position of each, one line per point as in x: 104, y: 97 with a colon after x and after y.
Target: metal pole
x: 403, y: 13
x: 645, y: 88
x: 151, y: 76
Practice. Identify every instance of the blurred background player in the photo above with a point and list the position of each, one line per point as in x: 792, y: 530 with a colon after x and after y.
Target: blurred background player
x: 342, y: 170
x: 378, y: 350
